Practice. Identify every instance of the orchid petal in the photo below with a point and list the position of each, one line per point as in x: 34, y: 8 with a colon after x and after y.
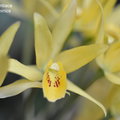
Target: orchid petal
x: 113, y: 20
x: 100, y: 28
x: 73, y: 88
x: 17, y: 87
x: 63, y: 27
x: 43, y: 39
x: 7, y: 38
x: 112, y: 77
x: 88, y: 18
x: 112, y: 58
x: 108, y: 7
x: 31, y: 73
x: 113, y: 30
x: 77, y: 57
x: 100, y: 34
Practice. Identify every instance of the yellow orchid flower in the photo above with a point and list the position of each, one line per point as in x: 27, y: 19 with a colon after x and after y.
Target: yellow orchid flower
x: 5, y: 42
x: 89, y: 15
x: 110, y: 64
x: 51, y: 67
x: 108, y: 61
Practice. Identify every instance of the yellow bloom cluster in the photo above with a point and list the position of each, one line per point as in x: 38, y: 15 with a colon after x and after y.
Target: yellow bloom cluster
x: 93, y: 18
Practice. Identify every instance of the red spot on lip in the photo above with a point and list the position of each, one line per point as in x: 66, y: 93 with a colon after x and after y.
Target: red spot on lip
x: 56, y: 83
x: 48, y: 80
x: 49, y: 83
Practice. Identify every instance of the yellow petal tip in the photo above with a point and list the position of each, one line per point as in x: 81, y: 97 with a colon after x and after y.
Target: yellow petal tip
x: 17, y: 24
x: 37, y: 18
x: 73, y: 88
x: 36, y: 14
x: 103, y: 108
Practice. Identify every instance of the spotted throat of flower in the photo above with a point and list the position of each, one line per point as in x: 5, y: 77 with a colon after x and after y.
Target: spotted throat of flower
x: 54, y: 81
